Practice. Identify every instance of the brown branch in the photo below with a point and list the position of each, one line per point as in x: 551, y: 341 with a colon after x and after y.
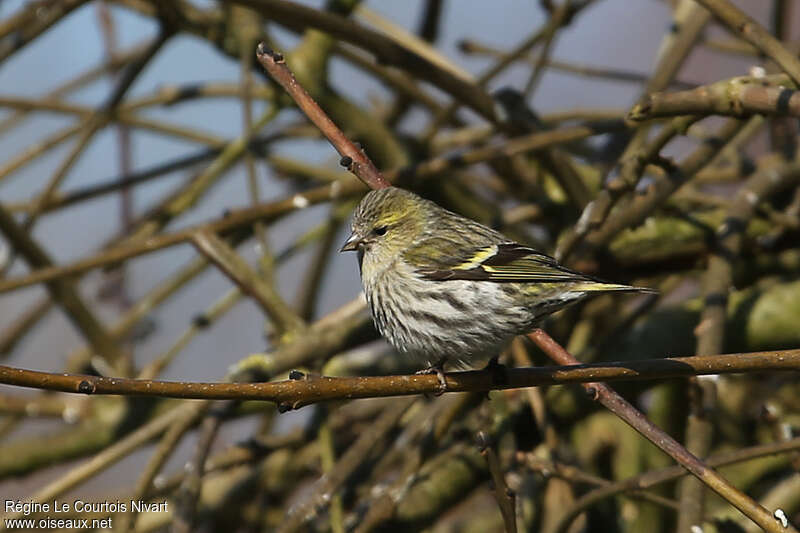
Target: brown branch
x: 188, y: 494
x: 576, y: 475
x: 716, y: 285
x: 112, y: 65
x: 474, y: 47
x: 531, y: 142
x: 429, y: 433
x: 327, y: 459
x: 239, y: 271
x: 32, y: 152
x: 127, y: 180
x: 62, y: 291
x: 271, y: 211
x: 718, y: 280
x: 30, y: 22
x: 699, y: 432
x: 689, y: 22
x: 354, y: 457
x: 166, y: 447
x: 631, y: 166
x: 307, y: 295
x: 520, y: 50
x: 110, y: 455
x: 234, y: 219
x: 559, y: 19
x: 627, y: 412
x: 740, y: 24
x: 387, y: 50
x: 642, y: 205
x: 503, y: 495
x: 737, y: 97
x: 303, y: 390
x: 352, y: 157
x: 658, y: 477
x: 407, y: 89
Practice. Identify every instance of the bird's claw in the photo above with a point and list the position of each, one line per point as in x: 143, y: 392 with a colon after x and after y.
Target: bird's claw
x: 439, y: 371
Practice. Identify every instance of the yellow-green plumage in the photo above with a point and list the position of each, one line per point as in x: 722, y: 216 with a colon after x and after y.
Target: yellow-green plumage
x: 445, y: 288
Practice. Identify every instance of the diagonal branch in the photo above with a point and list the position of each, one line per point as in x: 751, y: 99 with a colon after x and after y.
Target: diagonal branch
x: 627, y: 412
x: 236, y: 268
x: 740, y: 24
x: 352, y: 157
x: 62, y: 291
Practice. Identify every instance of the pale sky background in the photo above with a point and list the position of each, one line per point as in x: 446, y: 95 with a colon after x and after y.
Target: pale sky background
x: 612, y: 33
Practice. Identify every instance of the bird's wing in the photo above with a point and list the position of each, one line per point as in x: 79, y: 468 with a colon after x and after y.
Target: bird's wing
x: 504, y: 262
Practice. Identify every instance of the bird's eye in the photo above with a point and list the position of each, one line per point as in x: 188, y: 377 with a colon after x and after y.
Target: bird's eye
x: 380, y: 230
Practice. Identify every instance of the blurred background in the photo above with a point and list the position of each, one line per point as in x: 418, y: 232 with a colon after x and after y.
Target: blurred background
x: 77, y: 44
x: 188, y: 104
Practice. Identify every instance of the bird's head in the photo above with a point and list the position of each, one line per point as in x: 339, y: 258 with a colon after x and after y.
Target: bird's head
x: 385, y: 223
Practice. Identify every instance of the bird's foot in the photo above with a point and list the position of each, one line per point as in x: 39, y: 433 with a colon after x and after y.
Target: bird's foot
x: 437, y: 369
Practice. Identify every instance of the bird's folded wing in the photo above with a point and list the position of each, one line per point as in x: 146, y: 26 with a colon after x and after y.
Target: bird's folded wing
x: 504, y: 262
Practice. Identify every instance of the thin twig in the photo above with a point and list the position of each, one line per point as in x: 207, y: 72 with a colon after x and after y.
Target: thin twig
x: 352, y: 157
x: 503, y: 495
x: 248, y: 280
x: 354, y: 456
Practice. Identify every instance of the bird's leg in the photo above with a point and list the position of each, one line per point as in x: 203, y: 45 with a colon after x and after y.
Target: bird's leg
x: 499, y: 371
x: 437, y: 369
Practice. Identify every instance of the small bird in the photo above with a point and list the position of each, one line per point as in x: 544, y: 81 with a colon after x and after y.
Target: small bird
x: 448, y: 290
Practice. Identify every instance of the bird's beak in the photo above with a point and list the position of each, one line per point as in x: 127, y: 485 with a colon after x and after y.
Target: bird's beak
x: 351, y: 244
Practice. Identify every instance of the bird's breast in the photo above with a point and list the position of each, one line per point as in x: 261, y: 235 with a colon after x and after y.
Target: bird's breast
x: 456, y: 320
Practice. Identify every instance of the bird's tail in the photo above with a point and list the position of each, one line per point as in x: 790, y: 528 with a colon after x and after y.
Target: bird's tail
x: 594, y: 286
